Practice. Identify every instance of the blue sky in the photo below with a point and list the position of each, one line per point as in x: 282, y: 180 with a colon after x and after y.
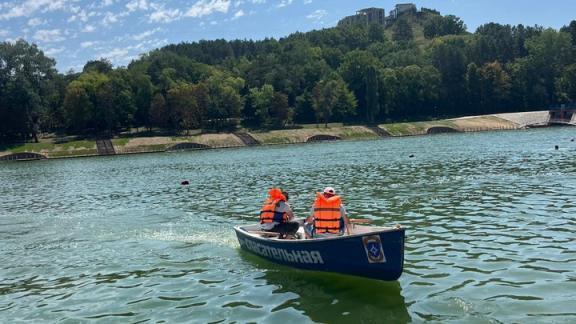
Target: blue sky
x: 75, y: 31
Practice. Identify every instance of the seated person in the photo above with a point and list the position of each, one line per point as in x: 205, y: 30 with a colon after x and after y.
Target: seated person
x: 328, y: 216
x: 276, y: 214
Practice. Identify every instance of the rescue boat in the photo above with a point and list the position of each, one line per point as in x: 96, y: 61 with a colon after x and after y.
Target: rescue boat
x: 366, y: 251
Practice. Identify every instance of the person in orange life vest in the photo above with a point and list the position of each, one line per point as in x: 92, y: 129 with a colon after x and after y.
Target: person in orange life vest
x: 276, y: 214
x: 328, y: 216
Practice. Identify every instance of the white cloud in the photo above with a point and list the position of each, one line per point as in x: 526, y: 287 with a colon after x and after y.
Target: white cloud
x: 87, y: 44
x: 4, y: 33
x: 106, y: 3
x: 317, y: 15
x: 238, y: 14
x: 81, y: 15
x: 145, y: 34
x: 36, y: 22
x: 285, y: 3
x: 115, y: 54
x: 54, y: 51
x: 49, y: 36
x: 162, y: 15
x: 88, y: 29
x: 208, y: 7
x: 109, y: 19
x: 307, y: 2
x: 258, y: 1
x: 28, y: 7
x: 137, y: 5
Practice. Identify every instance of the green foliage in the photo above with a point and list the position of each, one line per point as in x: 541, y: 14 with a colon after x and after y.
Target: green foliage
x: 261, y: 101
x: 566, y: 85
x: 402, y: 31
x: 449, y: 58
x: 502, y: 43
x: 570, y: 29
x: 333, y: 101
x: 488, y: 87
x: 185, y: 113
x: 437, y: 25
x: 99, y: 102
x: 25, y: 92
x: 422, y: 65
x: 100, y: 66
x: 158, y: 114
x: 225, y: 102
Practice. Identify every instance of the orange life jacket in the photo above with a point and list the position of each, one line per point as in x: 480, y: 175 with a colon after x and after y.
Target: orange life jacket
x: 268, y: 213
x: 327, y: 214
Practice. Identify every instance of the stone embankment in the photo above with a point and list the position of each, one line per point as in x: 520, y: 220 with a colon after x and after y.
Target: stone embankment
x: 310, y: 133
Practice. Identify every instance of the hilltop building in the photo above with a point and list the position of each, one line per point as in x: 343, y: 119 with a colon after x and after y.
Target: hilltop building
x: 377, y: 15
x: 365, y: 16
x: 401, y: 9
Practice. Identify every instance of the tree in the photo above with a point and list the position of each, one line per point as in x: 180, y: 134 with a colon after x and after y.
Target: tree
x: 372, y: 95
x: 24, y: 75
x: 271, y: 107
x: 402, y: 31
x: 566, y: 85
x: 77, y: 108
x: 417, y: 91
x: 280, y: 111
x: 158, y: 113
x: 440, y: 26
x: 143, y: 91
x: 304, y: 110
x: 261, y: 100
x: 332, y: 100
x: 388, y: 91
x: 376, y: 33
x: 548, y: 55
x: 358, y: 69
x: 186, y: 114
x: 570, y: 29
x: 225, y: 104
x: 473, y: 88
x: 449, y: 58
x: 494, y: 87
x: 102, y: 65
x: 111, y: 103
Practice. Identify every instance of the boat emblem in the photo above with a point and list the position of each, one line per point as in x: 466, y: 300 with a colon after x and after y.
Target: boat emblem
x: 373, y: 248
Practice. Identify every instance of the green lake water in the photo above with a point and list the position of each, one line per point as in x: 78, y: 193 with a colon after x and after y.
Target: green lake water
x: 490, y: 218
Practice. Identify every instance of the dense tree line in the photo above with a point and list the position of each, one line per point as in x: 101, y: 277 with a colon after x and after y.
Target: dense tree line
x: 423, y: 66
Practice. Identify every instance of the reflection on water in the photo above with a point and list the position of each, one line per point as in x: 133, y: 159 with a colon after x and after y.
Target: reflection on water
x: 490, y: 237
x: 334, y: 298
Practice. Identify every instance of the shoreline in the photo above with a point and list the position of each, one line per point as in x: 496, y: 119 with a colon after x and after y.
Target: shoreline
x: 306, y: 134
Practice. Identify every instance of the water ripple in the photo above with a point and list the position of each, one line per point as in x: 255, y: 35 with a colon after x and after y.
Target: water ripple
x: 490, y: 221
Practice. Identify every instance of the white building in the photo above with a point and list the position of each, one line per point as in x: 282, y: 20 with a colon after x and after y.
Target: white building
x: 401, y: 9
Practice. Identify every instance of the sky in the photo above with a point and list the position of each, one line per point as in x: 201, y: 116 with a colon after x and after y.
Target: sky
x: 76, y: 31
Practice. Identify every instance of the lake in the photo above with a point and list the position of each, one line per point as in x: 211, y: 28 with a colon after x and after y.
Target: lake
x: 490, y: 218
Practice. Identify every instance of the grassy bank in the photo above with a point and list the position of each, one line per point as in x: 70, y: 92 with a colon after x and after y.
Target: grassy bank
x: 290, y: 136
x: 53, y: 149
x: 465, y: 124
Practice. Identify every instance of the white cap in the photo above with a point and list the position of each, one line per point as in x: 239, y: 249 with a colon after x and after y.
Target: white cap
x: 329, y: 190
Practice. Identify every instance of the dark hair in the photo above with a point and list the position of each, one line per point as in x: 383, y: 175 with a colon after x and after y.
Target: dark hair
x: 285, y: 193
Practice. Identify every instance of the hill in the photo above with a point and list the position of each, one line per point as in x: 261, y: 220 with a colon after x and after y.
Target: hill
x: 422, y: 65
